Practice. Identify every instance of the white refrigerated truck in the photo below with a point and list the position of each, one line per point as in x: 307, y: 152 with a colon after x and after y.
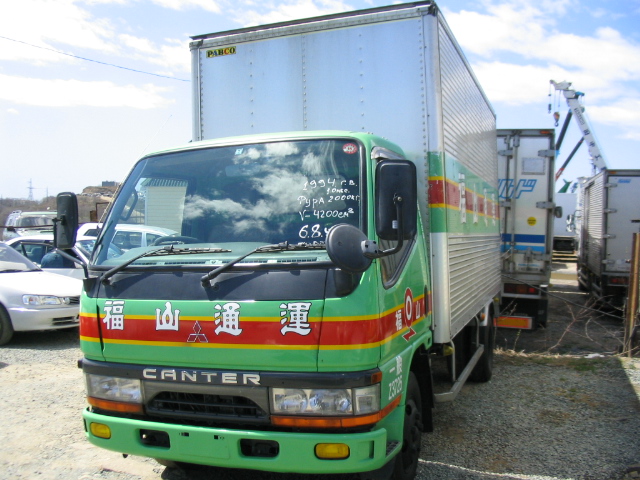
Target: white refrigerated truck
x: 527, y: 211
x: 609, y: 207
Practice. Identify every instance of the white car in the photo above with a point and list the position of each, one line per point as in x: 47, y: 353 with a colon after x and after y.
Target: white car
x: 35, y: 247
x: 31, y: 299
x: 128, y: 235
x: 28, y: 223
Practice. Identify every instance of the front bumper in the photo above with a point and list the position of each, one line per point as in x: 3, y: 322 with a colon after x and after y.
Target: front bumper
x: 26, y: 319
x: 223, y: 447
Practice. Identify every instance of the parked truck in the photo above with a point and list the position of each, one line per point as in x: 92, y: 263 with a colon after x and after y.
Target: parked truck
x: 527, y: 211
x: 319, y: 278
x: 609, y: 210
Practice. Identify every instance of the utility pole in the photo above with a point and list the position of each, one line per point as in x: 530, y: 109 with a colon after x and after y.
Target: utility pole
x: 30, y: 197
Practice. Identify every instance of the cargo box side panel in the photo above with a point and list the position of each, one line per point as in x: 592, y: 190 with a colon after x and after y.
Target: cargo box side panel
x: 242, y: 88
x: 592, y: 243
x: 463, y: 197
x: 622, y: 207
x: 367, y: 78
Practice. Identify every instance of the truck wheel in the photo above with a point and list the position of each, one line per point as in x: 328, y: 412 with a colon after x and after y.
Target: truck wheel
x: 542, y: 313
x: 406, y: 462
x: 484, y: 368
x: 6, y: 328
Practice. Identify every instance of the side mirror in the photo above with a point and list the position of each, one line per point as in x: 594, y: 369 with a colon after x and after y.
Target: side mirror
x: 396, y: 200
x: 344, y: 246
x: 396, y: 219
x: 66, y: 223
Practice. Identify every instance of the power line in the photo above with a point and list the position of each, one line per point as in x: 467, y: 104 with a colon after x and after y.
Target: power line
x: 95, y: 61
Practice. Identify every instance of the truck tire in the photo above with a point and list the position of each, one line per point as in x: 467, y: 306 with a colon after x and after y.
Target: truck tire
x: 484, y: 368
x: 406, y: 462
x: 6, y: 328
x: 542, y: 315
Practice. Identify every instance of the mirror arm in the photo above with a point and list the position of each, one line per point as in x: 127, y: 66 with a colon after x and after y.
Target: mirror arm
x: 370, y: 247
x: 61, y: 220
x: 74, y: 260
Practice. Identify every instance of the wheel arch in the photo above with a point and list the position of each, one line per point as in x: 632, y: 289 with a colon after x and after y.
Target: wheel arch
x: 421, y: 367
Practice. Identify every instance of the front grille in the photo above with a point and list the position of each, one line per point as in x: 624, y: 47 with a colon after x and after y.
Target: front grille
x: 198, y: 406
x: 74, y: 300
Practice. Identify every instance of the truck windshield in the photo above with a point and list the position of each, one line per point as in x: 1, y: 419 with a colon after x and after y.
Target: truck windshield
x: 222, y: 202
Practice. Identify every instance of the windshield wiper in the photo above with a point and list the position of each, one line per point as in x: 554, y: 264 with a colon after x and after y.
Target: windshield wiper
x: 166, y: 250
x: 277, y: 247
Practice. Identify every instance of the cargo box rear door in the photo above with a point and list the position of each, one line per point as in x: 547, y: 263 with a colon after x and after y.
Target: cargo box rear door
x: 621, y: 208
x: 526, y: 166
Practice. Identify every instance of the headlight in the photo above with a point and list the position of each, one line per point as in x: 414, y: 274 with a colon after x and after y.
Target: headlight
x: 323, y: 401
x: 114, y: 388
x: 44, y: 300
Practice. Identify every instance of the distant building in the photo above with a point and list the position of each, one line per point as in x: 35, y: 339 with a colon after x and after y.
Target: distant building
x: 107, y: 189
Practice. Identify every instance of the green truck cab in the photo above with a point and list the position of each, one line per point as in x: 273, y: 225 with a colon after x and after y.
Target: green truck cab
x: 240, y: 342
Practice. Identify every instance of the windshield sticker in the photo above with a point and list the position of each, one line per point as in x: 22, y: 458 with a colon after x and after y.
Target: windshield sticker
x: 350, y: 148
x: 114, y: 314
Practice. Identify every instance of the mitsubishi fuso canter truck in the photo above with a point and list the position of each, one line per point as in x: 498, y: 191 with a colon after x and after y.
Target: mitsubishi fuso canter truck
x: 326, y: 285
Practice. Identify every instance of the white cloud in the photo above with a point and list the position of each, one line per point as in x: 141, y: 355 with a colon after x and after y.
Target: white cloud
x: 511, y: 25
x: 515, y: 84
x: 526, y: 30
x: 606, y: 53
x: 624, y: 113
x: 173, y: 54
x: 285, y: 11
x: 517, y: 46
x: 60, y: 24
x: 74, y: 93
x: 50, y: 23
x: 209, y: 5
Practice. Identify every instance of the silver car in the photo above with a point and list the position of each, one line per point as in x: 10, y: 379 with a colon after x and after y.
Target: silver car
x: 35, y: 247
x: 31, y: 299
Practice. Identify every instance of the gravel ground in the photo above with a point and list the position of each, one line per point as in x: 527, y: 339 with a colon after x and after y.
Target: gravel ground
x: 551, y: 415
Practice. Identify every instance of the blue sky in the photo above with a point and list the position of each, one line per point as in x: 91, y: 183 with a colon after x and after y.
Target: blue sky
x: 67, y: 123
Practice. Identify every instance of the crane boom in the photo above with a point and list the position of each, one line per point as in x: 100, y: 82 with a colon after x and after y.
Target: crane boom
x: 577, y: 109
